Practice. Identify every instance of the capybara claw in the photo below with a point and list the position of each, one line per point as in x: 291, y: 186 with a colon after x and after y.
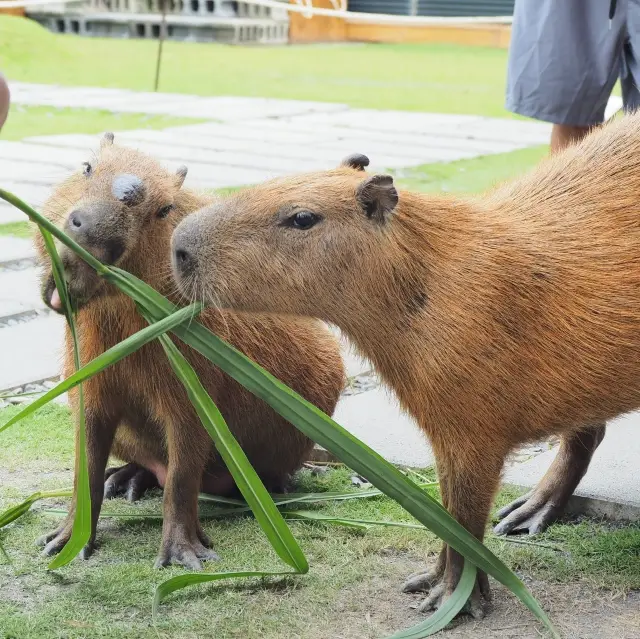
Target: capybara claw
x: 130, y: 480
x: 190, y: 556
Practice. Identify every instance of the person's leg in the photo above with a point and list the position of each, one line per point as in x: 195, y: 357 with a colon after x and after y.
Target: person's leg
x: 5, y: 99
x: 630, y: 67
x: 563, y: 63
x: 562, y: 135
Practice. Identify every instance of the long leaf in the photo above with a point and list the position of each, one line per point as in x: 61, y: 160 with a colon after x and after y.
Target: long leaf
x: 81, y: 530
x: 309, y: 420
x: 192, y: 579
x: 108, y: 358
x: 14, y: 512
x: 236, y: 461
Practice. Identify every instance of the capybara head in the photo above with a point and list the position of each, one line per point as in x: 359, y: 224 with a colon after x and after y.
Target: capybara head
x: 292, y: 245
x: 119, y: 205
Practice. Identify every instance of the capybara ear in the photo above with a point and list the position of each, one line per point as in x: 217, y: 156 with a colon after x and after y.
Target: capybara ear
x: 356, y: 161
x: 378, y: 196
x: 181, y: 174
x: 107, y: 139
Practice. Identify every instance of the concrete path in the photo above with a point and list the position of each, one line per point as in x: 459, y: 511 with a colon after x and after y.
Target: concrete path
x: 244, y: 141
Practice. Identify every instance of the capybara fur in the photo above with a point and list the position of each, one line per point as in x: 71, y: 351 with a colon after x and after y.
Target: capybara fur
x: 497, y: 320
x: 123, y: 207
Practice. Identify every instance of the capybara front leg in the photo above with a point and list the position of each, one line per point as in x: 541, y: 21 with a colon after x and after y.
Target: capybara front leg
x: 183, y: 541
x: 542, y: 506
x: 468, y: 482
x: 100, y: 430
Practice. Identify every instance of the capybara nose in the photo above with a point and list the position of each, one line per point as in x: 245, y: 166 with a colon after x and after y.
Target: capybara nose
x: 76, y: 221
x: 184, y: 261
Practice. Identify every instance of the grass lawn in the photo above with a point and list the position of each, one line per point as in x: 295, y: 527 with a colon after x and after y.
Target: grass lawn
x: 440, y: 78
x: 352, y: 590
x: 27, y: 121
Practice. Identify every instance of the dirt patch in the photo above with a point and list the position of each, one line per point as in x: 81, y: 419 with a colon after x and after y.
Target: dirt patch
x: 379, y: 608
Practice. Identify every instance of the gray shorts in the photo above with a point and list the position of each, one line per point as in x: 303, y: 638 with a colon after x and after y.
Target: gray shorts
x: 564, y: 59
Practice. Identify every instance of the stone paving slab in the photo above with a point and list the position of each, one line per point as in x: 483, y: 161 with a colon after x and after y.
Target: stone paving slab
x: 34, y: 194
x: 31, y: 351
x: 375, y: 418
x: 611, y: 486
x: 15, y: 248
x: 431, y: 137
x: 67, y: 159
x: 180, y: 105
x: 19, y: 292
x: 525, y: 133
x: 307, y: 156
x: 10, y: 214
x: 201, y: 175
x: 31, y: 172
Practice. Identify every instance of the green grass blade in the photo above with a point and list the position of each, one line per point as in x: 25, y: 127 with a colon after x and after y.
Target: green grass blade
x: 108, y: 358
x: 331, y: 436
x: 311, y: 515
x: 191, y: 579
x: 81, y: 531
x: 447, y: 611
x: 14, y: 512
x: 245, y: 476
x: 303, y: 515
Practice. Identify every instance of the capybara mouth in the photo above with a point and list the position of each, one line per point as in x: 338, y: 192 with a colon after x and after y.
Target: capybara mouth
x: 82, y: 285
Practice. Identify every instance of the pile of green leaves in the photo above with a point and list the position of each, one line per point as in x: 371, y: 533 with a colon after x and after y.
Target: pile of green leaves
x: 164, y: 318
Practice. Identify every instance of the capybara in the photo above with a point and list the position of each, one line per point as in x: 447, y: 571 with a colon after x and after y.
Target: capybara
x: 123, y: 207
x: 497, y: 320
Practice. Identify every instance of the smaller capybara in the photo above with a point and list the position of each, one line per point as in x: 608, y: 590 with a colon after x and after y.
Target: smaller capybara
x: 496, y: 320
x: 123, y: 207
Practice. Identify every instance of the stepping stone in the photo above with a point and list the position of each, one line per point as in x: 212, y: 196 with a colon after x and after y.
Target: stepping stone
x: 33, y: 194
x: 22, y: 152
x: 32, y: 172
x: 201, y: 175
x: 611, y: 486
x: 19, y: 292
x: 375, y: 418
x: 15, y: 248
x: 251, y: 130
x: 9, y: 214
x: 31, y: 351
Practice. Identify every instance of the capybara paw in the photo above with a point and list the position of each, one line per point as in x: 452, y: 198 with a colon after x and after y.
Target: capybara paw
x: 185, y: 554
x: 54, y: 542
x: 529, y: 513
x: 440, y: 592
x: 422, y: 581
x: 129, y: 480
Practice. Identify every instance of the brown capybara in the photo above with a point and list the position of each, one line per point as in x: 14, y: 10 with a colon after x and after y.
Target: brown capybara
x: 123, y: 207
x: 496, y: 320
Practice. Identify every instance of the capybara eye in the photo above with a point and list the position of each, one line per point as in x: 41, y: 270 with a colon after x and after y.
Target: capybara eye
x: 164, y: 211
x: 87, y: 169
x: 304, y: 220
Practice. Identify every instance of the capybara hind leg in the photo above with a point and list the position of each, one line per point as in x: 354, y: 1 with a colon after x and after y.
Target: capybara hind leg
x: 130, y: 480
x: 468, y: 500
x: 542, y: 506
x: 182, y: 536
x: 99, y: 433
